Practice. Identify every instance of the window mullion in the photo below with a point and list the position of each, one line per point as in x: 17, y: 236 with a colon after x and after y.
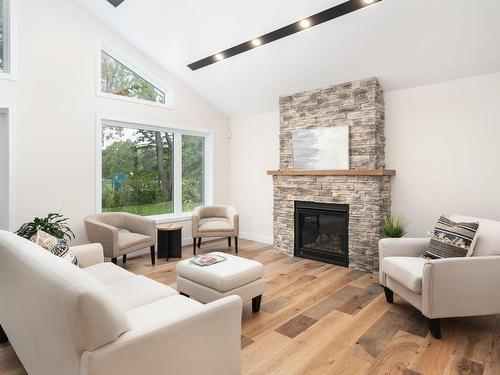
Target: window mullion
x: 177, y: 173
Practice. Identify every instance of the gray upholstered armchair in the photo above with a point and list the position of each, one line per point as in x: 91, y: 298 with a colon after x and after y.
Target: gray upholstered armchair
x: 444, y: 288
x: 121, y: 233
x: 215, y: 221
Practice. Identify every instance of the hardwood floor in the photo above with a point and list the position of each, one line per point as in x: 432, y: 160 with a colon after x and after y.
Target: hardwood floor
x: 322, y: 319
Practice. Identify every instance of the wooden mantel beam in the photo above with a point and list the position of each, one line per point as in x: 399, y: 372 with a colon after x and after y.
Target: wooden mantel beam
x: 332, y: 172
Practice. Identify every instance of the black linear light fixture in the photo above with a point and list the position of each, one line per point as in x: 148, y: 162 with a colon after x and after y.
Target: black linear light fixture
x: 115, y: 2
x: 306, y: 23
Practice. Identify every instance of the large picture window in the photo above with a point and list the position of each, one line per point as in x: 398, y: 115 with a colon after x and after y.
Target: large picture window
x: 140, y: 173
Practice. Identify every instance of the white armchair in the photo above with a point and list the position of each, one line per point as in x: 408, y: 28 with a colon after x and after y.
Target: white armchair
x: 121, y: 233
x: 444, y: 288
x: 215, y: 221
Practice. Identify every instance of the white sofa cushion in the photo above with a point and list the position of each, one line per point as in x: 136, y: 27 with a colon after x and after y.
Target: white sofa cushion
x: 229, y: 274
x: 488, y: 235
x: 108, y: 272
x: 131, y: 290
x: 138, y: 291
x: 172, y: 309
x: 405, y: 270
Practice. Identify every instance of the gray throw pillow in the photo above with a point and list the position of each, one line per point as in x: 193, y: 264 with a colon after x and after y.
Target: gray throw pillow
x: 451, y: 240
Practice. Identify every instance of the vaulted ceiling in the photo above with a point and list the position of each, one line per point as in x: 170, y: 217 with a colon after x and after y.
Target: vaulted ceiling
x: 404, y: 43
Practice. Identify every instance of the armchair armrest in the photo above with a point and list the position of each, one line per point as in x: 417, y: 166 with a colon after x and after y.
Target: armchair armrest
x: 141, y: 225
x: 402, y: 247
x: 88, y: 255
x: 456, y: 287
x: 196, y: 216
x: 105, y: 234
x: 206, y: 341
x: 234, y: 217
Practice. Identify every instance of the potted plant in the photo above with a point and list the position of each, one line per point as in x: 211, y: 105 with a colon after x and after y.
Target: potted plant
x: 53, y: 224
x: 395, y: 226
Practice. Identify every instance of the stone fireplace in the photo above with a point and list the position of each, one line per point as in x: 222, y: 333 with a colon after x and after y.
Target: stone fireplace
x: 364, y: 189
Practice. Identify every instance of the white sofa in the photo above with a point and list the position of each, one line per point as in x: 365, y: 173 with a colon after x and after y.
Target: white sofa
x: 444, y: 288
x: 102, y: 319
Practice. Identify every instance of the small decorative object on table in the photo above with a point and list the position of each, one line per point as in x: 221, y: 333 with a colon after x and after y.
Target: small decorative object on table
x: 208, y: 259
x: 169, y: 241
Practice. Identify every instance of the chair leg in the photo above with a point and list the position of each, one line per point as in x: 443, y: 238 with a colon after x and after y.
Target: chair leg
x: 114, y: 260
x: 3, y: 336
x: 236, y: 244
x: 389, y: 295
x: 199, y: 242
x: 256, y: 303
x: 125, y: 259
x: 194, y: 245
x: 435, y: 327
x: 153, y: 259
x: 229, y: 241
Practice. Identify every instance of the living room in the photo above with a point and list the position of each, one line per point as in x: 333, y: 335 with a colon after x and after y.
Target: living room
x: 332, y: 163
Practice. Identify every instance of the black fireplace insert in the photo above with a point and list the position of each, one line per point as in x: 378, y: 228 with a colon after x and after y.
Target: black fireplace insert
x: 322, y: 232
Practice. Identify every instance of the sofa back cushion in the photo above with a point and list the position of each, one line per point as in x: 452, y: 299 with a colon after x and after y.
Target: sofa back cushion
x: 488, y: 235
x: 51, y: 310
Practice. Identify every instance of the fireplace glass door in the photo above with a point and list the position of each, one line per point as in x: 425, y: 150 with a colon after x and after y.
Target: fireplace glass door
x: 321, y: 232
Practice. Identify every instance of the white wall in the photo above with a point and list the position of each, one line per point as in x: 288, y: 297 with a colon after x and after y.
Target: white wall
x: 442, y: 139
x: 56, y: 107
x: 254, y: 150
x: 4, y: 171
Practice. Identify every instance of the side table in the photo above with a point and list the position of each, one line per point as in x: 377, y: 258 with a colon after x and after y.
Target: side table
x: 169, y: 241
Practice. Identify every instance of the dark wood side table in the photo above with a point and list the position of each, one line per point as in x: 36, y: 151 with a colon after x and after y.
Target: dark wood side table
x: 169, y: 241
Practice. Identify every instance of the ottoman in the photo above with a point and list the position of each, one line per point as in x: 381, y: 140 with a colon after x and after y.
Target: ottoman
x: 234, y: 276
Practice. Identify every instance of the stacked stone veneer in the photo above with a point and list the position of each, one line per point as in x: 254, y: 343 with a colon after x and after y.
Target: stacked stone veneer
x: 359, y: 104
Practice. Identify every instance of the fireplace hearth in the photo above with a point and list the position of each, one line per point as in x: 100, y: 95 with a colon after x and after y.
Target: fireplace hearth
x: 321, y: 232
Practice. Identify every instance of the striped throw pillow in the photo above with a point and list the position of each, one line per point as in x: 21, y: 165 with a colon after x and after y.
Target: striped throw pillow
x: 55, y: 245
x: 451, y: 240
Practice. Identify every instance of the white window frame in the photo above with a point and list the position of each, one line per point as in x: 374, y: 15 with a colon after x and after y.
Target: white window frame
x: 103, y: 45
x: 9, y: 110
x: 177, y: 215
x: 11, y: 41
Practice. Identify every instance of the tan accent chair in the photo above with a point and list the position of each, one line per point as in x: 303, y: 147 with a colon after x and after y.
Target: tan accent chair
x: 101, y: 319
x: 444, y: 288
x: 215, y: 221
x: 121, y: 233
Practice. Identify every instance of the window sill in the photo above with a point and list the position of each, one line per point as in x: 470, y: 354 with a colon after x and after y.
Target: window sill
x: 134, y: 100
x: 171, y: 218
x: 8, y: 76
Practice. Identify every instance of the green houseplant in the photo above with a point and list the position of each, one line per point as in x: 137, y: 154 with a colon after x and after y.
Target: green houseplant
x: 395, y: 226
x: 54, y: 224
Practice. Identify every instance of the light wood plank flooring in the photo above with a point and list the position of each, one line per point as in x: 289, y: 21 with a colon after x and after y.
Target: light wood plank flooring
x: 322, y: 319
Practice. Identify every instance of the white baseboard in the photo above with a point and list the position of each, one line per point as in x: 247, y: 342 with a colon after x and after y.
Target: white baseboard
x: 257, y: 237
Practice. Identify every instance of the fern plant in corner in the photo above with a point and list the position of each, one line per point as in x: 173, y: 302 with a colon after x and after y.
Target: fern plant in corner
x: 395, y: 226
x: 53, y: 224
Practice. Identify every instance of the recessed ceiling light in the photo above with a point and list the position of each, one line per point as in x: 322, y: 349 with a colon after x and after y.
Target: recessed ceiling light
x: 339, y: 10
x: 256, y: 42
x: 305, y: 23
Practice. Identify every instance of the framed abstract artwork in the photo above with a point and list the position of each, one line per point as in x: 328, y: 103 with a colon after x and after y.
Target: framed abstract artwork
x: 321, y: 148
